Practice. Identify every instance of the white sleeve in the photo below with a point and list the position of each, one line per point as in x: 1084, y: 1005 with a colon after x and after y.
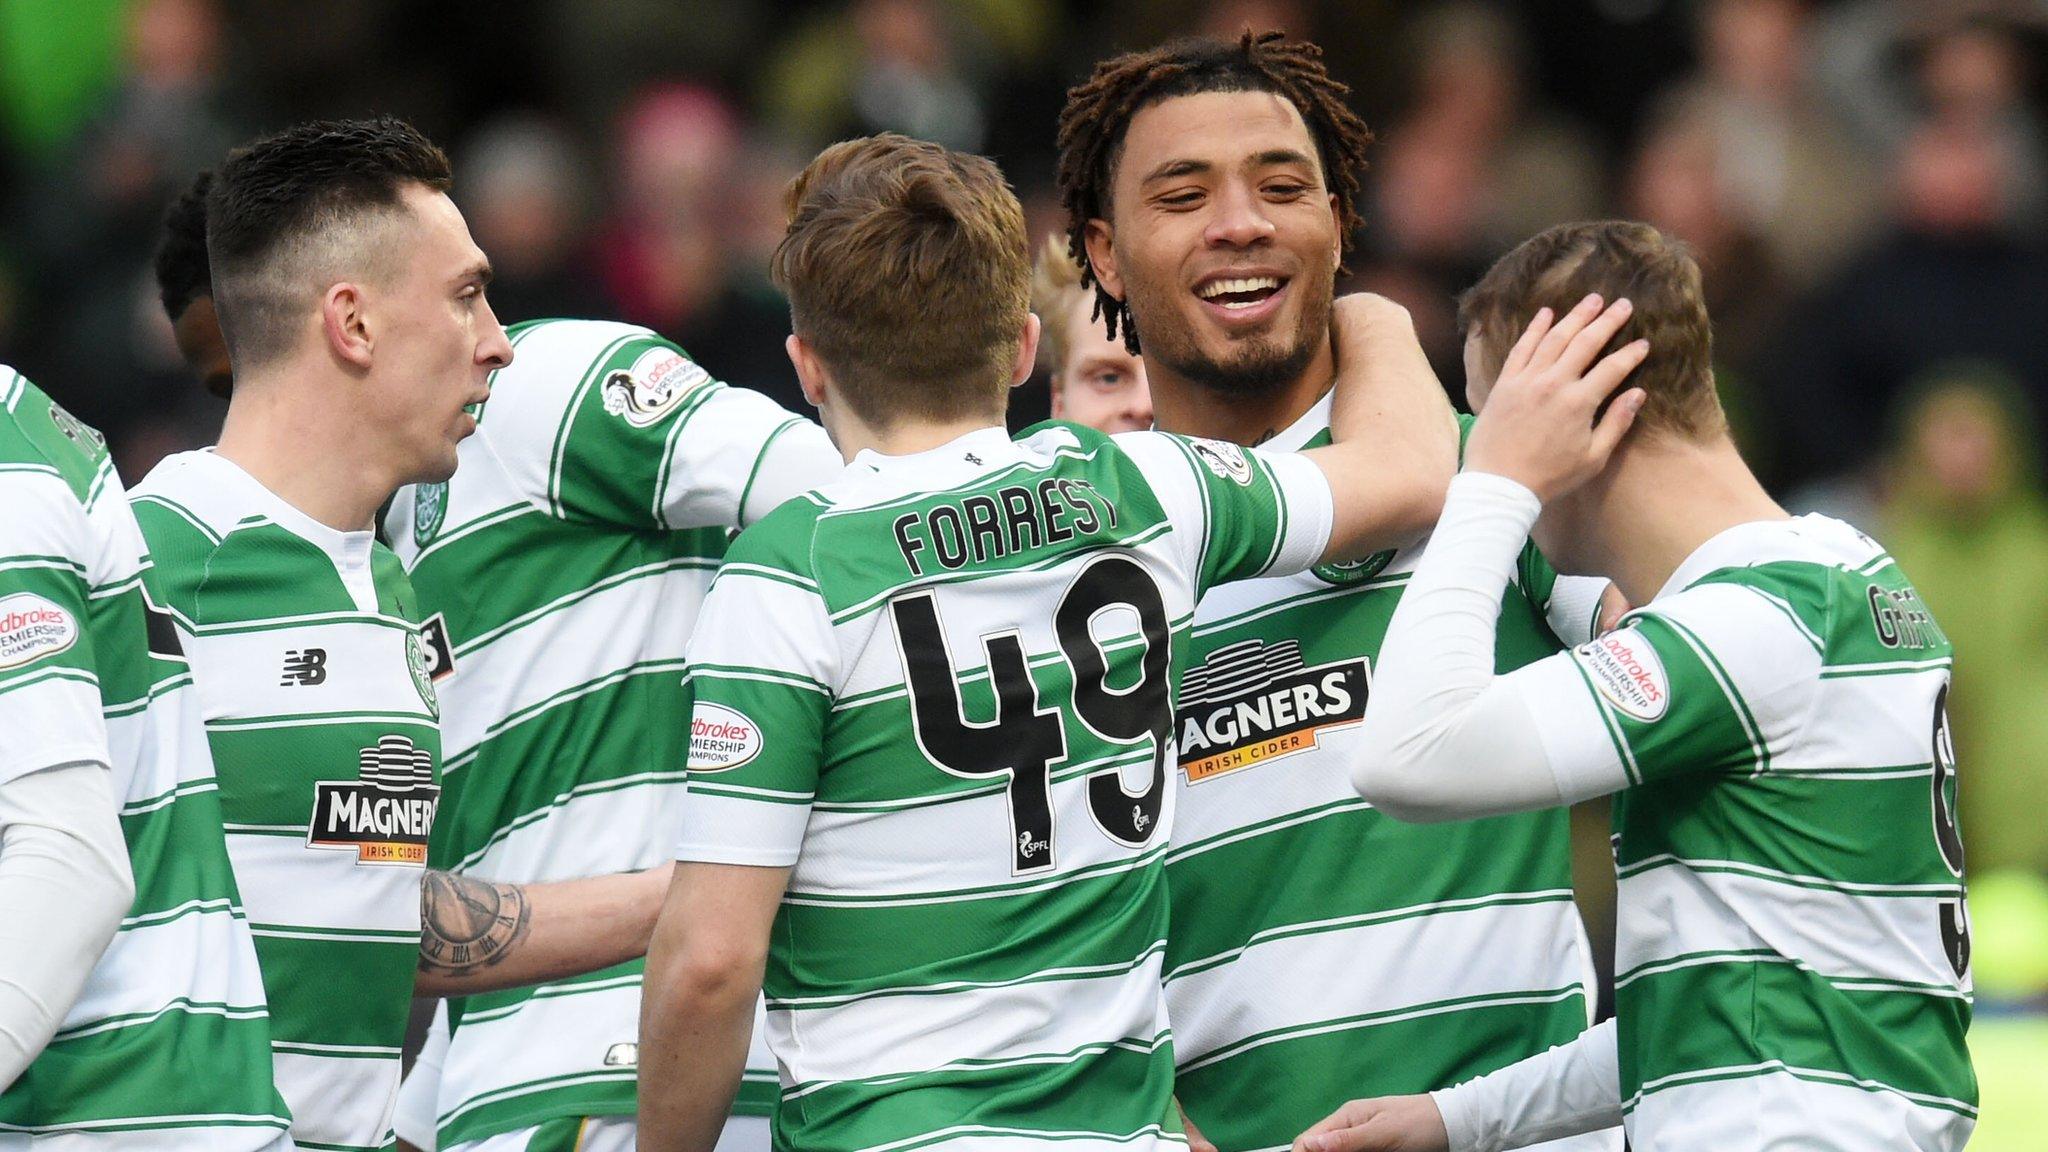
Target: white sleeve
x: 763, y: 667
x: 418, y: 1111
x: 614, y: 423
x: 1443, y: 737
x: 1574, y: 608
x: 739, y: 457
x: 50, y: 705
x: 1572, y: 1089
x: 1237, y: 512
x: 65, y: 884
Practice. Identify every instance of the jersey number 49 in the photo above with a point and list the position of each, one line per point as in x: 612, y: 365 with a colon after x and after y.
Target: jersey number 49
x: 1027, y: 737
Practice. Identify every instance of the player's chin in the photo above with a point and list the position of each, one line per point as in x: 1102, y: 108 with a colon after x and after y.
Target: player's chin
x: 437, y: 466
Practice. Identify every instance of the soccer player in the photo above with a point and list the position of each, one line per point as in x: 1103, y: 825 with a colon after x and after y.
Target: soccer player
x: 1095, y: 380
x: 561, y: 570
x: 351, y: 301
x: 933, y: 713
x: 707, y: 459
x: 148, y: 985
x: 1317, y: 944
x: 1793, y: 955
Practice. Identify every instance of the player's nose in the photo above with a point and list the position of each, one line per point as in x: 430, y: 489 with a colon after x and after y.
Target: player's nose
x: 1139, y: 408
x: 1238, y: 219
x: 494, y: 350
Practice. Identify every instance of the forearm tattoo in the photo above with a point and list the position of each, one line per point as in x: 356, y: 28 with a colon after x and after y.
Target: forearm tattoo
x: 467, y: 924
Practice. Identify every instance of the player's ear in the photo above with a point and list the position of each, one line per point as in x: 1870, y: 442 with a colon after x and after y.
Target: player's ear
x: 1337, y: 242
x: 345, y: 324
x: 1027, y: 350
x: 1101, y: 247
x: 810, y: 374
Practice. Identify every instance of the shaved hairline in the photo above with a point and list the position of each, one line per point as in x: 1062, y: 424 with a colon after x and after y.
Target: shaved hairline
x: 268, y: 304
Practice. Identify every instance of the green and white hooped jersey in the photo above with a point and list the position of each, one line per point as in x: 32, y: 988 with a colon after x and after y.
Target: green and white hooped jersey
x: 561, y: 571
x: 1792, y: 953
x: 941, y: 690
x: 90, y: 671
x: 1320, y: 950
x: 313, y: 681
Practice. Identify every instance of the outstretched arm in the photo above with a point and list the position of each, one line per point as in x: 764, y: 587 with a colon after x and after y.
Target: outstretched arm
x: 480, y: 935
x: 1571, y: 1089
x: 1394, y: 437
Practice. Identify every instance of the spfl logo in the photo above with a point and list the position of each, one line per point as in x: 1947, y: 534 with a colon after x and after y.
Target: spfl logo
x: 1249, y: 703
x: 1225, y: 459
x: 83, y: 435
x: 652, y: 387
x: 386, y: 814
x: 1031, y: 850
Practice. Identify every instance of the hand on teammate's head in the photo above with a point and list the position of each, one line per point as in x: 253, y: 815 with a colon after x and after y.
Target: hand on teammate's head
x: 1543, y: 423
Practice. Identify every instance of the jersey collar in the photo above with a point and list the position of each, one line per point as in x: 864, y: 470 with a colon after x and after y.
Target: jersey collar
x: 1740, y: 546
x: 980, y: 449
x: 1305, y: 428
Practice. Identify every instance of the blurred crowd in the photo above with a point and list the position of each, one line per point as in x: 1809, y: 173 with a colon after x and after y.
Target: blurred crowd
x: 1863, y: 181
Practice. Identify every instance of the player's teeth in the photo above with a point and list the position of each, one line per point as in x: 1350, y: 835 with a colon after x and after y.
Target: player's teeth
x: 1216, y: 288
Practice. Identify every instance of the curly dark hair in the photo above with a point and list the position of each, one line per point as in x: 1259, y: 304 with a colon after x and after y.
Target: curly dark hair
x: 1099, y: 112
x: 182, y: 272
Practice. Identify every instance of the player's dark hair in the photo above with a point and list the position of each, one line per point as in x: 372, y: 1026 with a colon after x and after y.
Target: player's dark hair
x: 1099, y: 112
x: 182, y: 272
x: 272, y: 196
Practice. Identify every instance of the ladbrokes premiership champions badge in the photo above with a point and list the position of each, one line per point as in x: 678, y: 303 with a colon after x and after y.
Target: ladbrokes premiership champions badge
x: 386, y: 814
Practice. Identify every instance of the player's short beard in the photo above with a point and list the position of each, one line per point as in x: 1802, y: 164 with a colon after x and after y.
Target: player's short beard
x: 1258, y: 365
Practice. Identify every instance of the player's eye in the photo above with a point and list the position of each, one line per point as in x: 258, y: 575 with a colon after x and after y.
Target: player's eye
x: 1108, y: 380
x: 1181, y: 199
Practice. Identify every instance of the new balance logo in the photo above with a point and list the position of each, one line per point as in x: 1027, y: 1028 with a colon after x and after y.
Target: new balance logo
x: 303, y: 668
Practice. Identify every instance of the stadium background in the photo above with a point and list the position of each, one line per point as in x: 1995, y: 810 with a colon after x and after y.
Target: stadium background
x: 1865, y: 182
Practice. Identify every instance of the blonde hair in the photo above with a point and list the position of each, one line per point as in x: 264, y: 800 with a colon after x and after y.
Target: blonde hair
x: 1056, y: 288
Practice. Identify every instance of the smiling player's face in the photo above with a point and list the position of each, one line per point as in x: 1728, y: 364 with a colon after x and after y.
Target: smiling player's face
x: 1224, y: 239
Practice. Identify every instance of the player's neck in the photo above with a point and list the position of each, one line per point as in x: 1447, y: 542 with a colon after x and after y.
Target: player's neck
x: 1182, y: 406
x: 1665, y: 499
x: 311, y: 457
x: 903, y: 438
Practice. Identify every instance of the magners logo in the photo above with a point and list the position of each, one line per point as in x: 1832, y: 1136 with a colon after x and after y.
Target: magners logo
x: 386, y: 814
x: 1250, y: 703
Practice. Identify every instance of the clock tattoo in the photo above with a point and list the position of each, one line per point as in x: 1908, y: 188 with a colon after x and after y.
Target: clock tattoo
x: 468, y: 924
